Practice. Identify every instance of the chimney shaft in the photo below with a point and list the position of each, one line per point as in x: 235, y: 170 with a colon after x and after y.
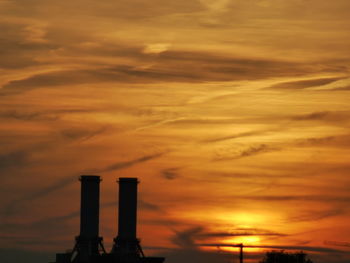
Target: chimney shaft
x: 89, y: 207
x: 127, y: 213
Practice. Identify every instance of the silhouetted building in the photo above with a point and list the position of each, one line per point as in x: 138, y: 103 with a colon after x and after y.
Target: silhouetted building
x: 89, y: 246
x: 282, y: 257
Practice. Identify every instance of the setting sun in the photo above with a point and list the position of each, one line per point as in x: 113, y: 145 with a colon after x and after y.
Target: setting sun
x: 245, y: 240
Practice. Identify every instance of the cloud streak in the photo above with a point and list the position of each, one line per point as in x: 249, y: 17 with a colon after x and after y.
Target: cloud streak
x: 15, y: 205
x: 235, y: 136
x: 286, y: 247
x: 165, y: 67
x: 170, y: 173
x: 248, y: 152
x: 127, y: 164
x: 305, y: 84
x: 316, y: 215
x: 304, y: 198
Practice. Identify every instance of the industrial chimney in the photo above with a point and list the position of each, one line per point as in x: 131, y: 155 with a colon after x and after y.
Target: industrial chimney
x: 126, y: 244
x: 127, y: 248
x: 88, y: 243
x: 127, y: 212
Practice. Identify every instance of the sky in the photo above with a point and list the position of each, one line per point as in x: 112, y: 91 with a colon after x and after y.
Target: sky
x: 234, y: 115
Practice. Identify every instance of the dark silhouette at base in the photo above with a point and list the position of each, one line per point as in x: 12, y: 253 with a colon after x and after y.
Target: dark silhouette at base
x: 283, y: 257
x: 89, y: 246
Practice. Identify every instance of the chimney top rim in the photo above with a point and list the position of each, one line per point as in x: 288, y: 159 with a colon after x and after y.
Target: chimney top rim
x: 95, y: 178
x: 128, y: 180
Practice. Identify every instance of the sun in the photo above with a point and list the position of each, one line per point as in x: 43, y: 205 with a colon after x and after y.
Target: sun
x: 245, y: 240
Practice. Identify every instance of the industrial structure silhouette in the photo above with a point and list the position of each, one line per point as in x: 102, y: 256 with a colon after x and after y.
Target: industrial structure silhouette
x: 89, y: 245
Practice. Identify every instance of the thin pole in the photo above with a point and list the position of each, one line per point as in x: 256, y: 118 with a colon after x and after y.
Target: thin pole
x: 241, y: 253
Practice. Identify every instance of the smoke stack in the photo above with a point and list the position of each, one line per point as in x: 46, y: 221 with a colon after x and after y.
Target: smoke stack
x: 126, y: 245
x: 88, y: 242
x: 89, y: 207
x: 127, y: 213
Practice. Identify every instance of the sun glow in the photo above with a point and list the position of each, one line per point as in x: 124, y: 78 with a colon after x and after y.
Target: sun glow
x: 233, y: 240
x: 245, y: 240
x: 245, y: 219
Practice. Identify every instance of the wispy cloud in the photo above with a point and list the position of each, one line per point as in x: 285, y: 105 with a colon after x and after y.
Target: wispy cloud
x: 170, y: 173
x: 126, y: 164
x: 143, y: 205
x: 81, y: 133
x: 304, y: 84
x: 333, y: 117
x: 235, y: 136
x: 12, y: 159
x: 308, y: 198
x: 337, y: 243
x: 42, y: 115
x: 186, y: 239
x: 312, y: 116
x: 286, y: 247
x: 247, y: 152
x: 316, y: 215
x: 15, y: 205
x: 25, y: 116
x: 241, y: 233
x: 165, y: 67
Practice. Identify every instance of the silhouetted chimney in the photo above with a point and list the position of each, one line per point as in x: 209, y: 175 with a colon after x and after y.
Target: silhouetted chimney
x: 126, y: 244
x: 87, y: 243
x: 89, y: 207
x: 127, y: 212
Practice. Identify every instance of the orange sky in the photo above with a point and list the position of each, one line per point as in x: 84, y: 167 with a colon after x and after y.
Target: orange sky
x: 233, y: 114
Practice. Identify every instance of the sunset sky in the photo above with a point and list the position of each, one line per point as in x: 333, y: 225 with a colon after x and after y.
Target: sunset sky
x: 234, y: 115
